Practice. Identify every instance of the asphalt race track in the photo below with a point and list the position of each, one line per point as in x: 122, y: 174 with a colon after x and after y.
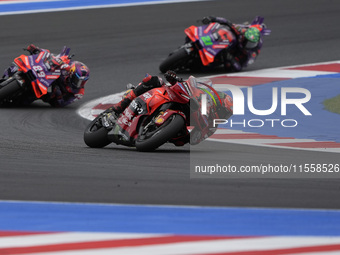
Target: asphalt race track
x: 43, y: 156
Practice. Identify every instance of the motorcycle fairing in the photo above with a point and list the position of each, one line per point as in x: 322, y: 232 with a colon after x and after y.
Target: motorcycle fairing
x: 24, y: 64
x: 39, y: 71
x: 211, y: 39
x: 42, y: 69
x: 164, y: 116
x: 22, y: 61
x: 142, y: 107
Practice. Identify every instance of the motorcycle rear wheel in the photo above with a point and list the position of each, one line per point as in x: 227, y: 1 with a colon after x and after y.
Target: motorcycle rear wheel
x: 161, y: 135
x: 176, y: 61
x: 95, y: 135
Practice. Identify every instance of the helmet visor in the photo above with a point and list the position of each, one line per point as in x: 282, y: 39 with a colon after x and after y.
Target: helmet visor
x: 77, y: 80
x: 250, y: 45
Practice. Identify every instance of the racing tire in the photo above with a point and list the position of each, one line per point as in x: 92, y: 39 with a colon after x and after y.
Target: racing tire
x: 164, y: 133
x: 95, y: 136
x: 176, y: 60
x: 8, y: 88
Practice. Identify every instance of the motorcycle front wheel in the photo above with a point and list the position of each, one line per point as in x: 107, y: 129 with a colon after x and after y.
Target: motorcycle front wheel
x: 151, y: 137
x: 95, y: 135
x: 176, y: 61
x: 8, y: 88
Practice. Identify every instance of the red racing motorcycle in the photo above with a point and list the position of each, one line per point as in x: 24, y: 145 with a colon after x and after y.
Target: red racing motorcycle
x: 158, y: 116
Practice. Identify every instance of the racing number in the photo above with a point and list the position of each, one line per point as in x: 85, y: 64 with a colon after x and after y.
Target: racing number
x: 207, y: 40
x: 39, y: 71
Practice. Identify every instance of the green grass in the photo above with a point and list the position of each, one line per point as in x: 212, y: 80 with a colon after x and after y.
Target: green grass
x: 332, y: 104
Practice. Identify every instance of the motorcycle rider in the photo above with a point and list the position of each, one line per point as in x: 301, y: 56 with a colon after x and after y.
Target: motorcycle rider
x: 248, y: 47
x: 68, y: 88
x: 203, y: 125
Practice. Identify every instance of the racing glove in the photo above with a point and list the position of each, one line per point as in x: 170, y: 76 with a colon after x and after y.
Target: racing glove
x: 251, y: 58
x: 208, y: 19
x: 234, y: 63
x: 195, y: 137
x: 171, y: 77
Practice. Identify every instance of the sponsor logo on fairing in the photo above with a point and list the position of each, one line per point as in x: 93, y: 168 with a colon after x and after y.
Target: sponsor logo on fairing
x: 136, y: 107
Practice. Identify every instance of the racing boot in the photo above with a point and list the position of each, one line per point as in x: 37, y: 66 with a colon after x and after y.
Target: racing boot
x: 148, y: 83
x: 119, y: 107
x: 110, y: 116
